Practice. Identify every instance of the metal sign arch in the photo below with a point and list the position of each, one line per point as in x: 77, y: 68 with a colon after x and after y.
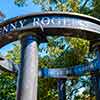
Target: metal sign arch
x: 50, y: 23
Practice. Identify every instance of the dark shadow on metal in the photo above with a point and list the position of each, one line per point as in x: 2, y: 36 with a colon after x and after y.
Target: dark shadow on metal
x: 95, y: 79
x: 62, y: 88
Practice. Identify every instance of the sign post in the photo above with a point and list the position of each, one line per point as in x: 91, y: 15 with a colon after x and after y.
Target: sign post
x: 97, y: 75
x: 62, y: 89
x: 95, y: 78
x: 28, y: 75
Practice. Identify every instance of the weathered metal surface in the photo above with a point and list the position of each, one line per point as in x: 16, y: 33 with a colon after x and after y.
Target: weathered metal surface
x: 8, y: 65
x: 55, y: 72
x: 66, y: 72
x: 28, y: 75
x: 51, y: 23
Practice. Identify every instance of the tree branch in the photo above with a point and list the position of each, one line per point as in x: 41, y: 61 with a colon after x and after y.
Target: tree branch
x: 84, y: 5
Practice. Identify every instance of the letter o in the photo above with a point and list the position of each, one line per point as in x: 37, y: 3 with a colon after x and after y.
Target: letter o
x: 45, y: 21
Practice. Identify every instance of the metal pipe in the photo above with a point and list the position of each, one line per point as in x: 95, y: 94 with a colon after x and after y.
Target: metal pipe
x: 28, y: 74
x: 97, y: 74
